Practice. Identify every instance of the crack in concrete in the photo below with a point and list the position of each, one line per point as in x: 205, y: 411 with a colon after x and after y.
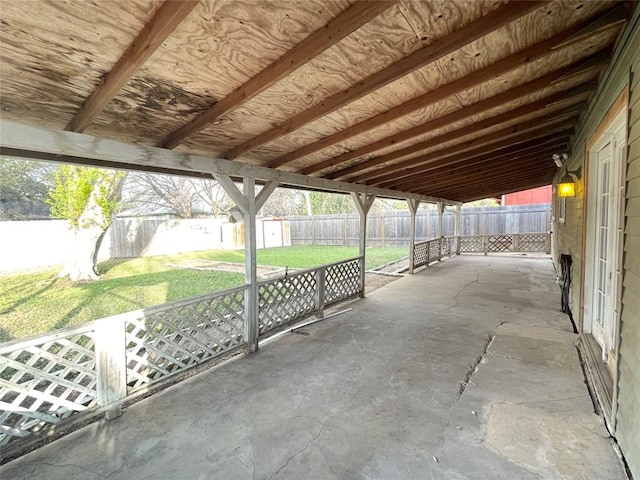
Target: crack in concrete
x: 474, y: 366
x: 455, y: 297
x: 298, y: 452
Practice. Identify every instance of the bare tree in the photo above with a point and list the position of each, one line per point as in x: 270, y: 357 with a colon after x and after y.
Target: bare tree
x: 181, y: 196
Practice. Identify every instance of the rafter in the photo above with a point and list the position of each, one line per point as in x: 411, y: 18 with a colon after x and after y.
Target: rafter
x: 455, y: 116
x: 552, y: 141
x: 475, y: 30
x: 524, y: 182
x: 380, y: 173
x: 491, y: 143
x: 165, y: 20
x: 484, y: 167
x: 517, y: 60
x: 498, y: 180
x: 333, y: 32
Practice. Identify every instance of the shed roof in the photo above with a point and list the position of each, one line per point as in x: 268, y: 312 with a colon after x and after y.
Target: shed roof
x: 459, y: 99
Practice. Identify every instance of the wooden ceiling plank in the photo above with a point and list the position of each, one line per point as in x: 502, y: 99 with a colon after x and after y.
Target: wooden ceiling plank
x: 507, y: 162
x: 455, y: 116
x: 333, y: 32
x: 163, y: 23
x: 552, y: 140
x: 475, y: 30
x: 532, y: 124
x: 519, y: 59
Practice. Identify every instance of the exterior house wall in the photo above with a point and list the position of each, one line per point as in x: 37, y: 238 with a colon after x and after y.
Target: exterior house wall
x: 622, y: 75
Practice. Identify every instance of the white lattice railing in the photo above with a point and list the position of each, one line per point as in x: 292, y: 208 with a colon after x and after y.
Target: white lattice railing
x: 509, y: 242
x: 292, y: 297
x: 433, y: 250
x: 45, y: 380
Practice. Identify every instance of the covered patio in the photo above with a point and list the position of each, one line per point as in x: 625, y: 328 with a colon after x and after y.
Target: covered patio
x: 465, y: 370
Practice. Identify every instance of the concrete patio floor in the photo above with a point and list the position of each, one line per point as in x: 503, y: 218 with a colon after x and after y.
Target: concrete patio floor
x: 466, y: 370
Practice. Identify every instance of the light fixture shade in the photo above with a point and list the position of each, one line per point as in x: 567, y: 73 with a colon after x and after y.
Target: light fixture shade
x: 567, y: 187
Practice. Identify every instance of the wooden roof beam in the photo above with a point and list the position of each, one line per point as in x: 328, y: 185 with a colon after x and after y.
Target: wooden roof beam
x: 532, y: 147
x: 570, y: 96
x: 435, y: 159
x: 519, y: 59
x: 525, y: 185
x: 24, y: 141
x: 485, y: 167
x: 163, y: 23
x: 510, y: 142
x: 552, y: 140
x: 326, y: 37
x: 455, y: 116
x: 505, y: 181
x: 475, y: 30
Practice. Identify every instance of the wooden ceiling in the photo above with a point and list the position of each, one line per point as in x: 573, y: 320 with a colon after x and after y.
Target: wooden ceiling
x: 458, y: 99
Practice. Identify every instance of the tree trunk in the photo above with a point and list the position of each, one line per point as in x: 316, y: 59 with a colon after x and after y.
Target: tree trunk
x: 92, y: 226
x: 80, y: 266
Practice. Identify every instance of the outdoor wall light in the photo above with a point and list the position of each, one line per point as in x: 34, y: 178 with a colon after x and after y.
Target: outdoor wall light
x: 567, y: 185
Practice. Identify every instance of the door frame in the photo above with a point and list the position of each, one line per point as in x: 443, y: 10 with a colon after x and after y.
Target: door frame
x: 616, y: 115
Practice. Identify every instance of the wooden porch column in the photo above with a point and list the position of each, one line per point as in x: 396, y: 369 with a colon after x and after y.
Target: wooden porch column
x: 440, y: 214
x: 363, y: 203
x: 249, y: 205
x: 413, y: 208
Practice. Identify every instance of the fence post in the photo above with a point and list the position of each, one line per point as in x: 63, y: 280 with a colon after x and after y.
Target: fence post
x: 547, y: 243
x: 111, y: 364
x: 321, y: 275
x: 515, y: 243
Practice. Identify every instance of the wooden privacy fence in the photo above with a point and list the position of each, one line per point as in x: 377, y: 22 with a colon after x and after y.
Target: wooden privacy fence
x: 47, y: 380
x: 393, y: 228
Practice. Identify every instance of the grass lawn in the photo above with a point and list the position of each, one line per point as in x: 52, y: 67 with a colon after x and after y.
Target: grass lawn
x: 38, y: 302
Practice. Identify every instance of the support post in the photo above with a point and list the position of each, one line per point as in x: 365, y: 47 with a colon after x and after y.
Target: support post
x: 458, y: 228
x: 321, y: 275
x: 249, y: 205
x: 413, y: 208
x: 363, y: 203
x: 440, y: 229
x: 250, y: 265
x: 111, y: 364
x: 440, y: 215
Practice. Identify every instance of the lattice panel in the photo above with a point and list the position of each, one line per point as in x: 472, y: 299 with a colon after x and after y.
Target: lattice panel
x: 286, y: 299
x: 532, y: 242
x: 41, y: 384
x: 176, y: 336
x: 342, y: 281
x: 445, y: 247
x: 500, y: 243
x: 471, y: 244
x: 453, y: 245
x: 420, y: 254
x: 434, y: 250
